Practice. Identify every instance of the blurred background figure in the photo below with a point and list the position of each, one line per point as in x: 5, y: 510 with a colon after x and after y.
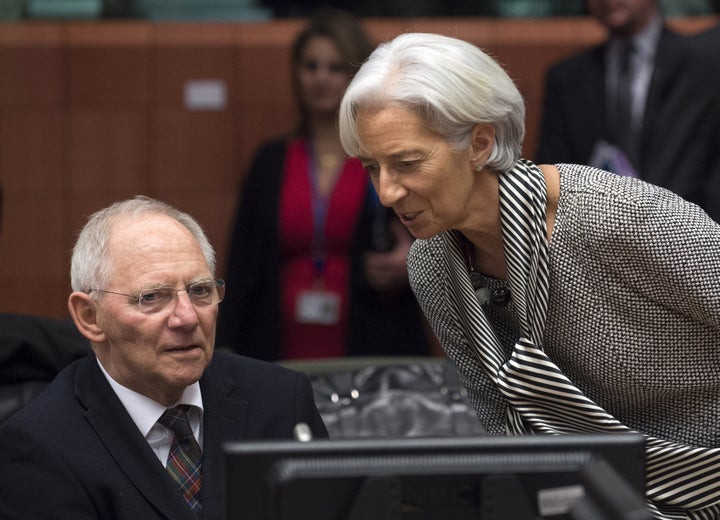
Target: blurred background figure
x: 317, y: 266
x: 622, y: 105
x: 698, y: 98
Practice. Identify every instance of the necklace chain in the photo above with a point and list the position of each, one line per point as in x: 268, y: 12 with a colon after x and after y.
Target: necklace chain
x: 499, y: 296
x: 469, y: 254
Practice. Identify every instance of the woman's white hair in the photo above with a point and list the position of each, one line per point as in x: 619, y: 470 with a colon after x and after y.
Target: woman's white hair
x: 451, y: 83
x: 91, y: 268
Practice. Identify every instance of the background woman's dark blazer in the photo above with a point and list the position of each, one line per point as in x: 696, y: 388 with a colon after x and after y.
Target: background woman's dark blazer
x: 379, y: 324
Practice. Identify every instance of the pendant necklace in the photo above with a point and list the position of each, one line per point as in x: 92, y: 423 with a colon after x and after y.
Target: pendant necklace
x: 499, y: 296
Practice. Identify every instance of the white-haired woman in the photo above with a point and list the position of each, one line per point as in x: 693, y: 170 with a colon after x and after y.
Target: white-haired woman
x: 570, y: 299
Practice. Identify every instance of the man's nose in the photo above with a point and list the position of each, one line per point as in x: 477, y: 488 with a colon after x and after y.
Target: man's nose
x: 184, y: 312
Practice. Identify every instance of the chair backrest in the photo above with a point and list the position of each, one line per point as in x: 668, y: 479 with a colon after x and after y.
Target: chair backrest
x: 33, y: 350
x: 390, y: 397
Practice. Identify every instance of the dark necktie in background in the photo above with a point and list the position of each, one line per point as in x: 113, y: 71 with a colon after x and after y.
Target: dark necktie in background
x: 185, y: 457
x: 623, y: 130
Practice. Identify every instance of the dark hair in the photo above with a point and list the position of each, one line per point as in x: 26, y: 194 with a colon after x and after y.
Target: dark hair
x: 349, y: 37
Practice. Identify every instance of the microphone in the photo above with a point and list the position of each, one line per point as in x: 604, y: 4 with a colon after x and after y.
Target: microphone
x: 302, y: 432
x: 498, y: 297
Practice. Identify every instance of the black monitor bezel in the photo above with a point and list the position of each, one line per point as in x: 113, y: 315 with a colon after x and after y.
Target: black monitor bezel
x: 255, y: 469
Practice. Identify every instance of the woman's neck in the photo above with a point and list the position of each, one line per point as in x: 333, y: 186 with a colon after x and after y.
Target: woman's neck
x: 486, y: 255
x: 485, y: 252
x: 328, y: 153
x: 323, y: 128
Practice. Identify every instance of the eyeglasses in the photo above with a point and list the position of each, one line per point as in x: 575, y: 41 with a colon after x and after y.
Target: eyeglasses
x: 156, y: 299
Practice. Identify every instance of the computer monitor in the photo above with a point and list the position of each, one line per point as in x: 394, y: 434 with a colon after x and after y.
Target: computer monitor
x: 583, y: 477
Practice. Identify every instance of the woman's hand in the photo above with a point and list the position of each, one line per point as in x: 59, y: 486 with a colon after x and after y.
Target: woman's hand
x: 387, y: 271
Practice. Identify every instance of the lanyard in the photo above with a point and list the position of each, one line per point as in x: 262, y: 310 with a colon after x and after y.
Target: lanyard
x: 319, y: 203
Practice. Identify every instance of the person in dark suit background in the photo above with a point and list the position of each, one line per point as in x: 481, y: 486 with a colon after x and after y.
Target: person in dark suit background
x: 670, y: 144
x: 92, y: 446
x: 706, y: 65
x: 692, y: 120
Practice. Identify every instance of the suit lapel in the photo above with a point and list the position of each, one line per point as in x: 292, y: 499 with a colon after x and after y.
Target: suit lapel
x: 595, y: 89
x: 120, y: 436
x: 225, y: 419
x: 589, y: 102
x: 669, y: 58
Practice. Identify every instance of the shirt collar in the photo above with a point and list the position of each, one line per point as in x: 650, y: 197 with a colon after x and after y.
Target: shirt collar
x: 645, y: 41
x: 145, y: 411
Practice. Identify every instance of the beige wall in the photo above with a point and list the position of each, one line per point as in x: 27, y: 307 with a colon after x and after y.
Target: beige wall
x: 94, y: 112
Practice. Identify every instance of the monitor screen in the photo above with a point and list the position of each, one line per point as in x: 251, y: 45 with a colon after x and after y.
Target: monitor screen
x: 598, y: 476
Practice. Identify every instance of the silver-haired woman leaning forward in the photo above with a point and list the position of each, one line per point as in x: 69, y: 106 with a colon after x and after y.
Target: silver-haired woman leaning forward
x: 604, y: 289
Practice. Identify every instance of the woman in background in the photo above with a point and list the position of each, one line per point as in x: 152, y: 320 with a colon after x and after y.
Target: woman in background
x: 317, y: 266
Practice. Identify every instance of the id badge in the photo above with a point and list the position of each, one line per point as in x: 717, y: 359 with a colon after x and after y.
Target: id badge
x: 318, y: 307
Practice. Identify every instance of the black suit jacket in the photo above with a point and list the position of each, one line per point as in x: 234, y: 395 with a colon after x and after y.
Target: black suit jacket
x: 678, y: 150
x: 75, y: 453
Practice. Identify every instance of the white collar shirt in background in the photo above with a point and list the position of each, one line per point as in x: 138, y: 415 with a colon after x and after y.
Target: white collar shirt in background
x: 642, y: 65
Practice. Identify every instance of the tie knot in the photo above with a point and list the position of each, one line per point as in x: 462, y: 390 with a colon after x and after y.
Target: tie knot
x: 176, y: 420
x: 627, y: 50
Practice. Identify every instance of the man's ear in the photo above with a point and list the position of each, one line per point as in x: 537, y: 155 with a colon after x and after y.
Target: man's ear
x: 84, y: 314
x: 482, y: 141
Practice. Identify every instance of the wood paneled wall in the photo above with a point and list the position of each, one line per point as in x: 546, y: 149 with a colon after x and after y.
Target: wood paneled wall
x: 93, y: 112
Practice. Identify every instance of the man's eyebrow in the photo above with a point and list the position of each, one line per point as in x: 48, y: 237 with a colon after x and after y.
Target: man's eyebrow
x: 168, y: 284
x: 151, y: 286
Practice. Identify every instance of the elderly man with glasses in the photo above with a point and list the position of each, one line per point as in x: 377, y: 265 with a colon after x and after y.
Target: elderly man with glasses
x: 135, y: 430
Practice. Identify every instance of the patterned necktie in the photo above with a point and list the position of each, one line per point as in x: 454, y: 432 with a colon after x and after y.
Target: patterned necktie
x: 683, y: 482
x: 184, y: 460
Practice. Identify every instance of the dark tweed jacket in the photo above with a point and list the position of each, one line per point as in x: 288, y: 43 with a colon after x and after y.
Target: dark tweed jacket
x: 634, y: 308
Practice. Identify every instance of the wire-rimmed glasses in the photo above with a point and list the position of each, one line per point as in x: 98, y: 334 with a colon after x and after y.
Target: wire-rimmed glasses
x: 156, y: 299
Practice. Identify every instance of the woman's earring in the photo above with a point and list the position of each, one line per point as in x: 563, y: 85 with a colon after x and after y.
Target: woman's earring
x: 478, y: 167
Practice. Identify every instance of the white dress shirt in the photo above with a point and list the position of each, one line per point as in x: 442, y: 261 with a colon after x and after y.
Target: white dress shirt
x: 145, y: 412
